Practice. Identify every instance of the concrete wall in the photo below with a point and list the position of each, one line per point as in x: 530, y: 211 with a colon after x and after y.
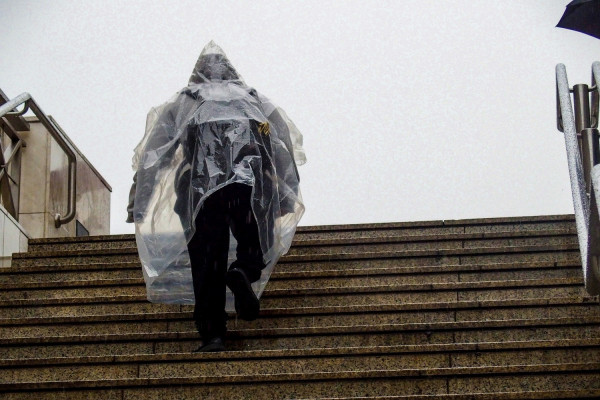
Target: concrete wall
x: 13, y: 238
x: 44, y: 177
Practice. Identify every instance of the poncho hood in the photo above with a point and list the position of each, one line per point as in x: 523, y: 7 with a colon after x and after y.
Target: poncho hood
x: 213, y: 66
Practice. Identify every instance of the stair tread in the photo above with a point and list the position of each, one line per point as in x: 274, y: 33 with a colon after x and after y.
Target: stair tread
x: 367, y: 239
x: 345, y: 309
x: 525, y: 395
x: 348, y: 289
x: 191, y: 378
x: 31, y: 270
x: 315, y: 256
x: 295, y: 331
x: 455, y: 309
x: 42, y: 284
x: 227, y: 356
x: 365, y: 226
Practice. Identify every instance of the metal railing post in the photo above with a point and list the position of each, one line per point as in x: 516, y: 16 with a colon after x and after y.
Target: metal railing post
x: 581, y: 104
x: 589, y: 154
x: 581, y: 109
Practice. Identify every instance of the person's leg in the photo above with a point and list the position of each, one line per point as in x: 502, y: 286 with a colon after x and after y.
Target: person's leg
x: 245, y: 230
x: 208, y: 251
x: 249, y: 263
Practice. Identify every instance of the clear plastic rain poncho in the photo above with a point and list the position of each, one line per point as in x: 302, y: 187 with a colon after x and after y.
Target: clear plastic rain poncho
x: 214, y: 132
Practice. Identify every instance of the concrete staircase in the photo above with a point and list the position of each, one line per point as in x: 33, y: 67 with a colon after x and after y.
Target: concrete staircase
x: 472, y: 309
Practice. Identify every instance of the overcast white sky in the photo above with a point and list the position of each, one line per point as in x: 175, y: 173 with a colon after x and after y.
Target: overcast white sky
x: 410, y: 110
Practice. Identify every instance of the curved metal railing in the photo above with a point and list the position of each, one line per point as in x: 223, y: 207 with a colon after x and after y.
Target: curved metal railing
x: 583, y: 155
x: 29, y: 103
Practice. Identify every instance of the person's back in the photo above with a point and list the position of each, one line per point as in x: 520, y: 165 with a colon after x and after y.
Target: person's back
x: 217, y: 158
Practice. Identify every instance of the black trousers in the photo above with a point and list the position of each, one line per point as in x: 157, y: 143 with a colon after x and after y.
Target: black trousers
x: 227, y: 208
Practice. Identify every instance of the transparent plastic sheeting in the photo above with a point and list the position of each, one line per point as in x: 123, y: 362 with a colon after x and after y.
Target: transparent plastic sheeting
x: 214, y: 132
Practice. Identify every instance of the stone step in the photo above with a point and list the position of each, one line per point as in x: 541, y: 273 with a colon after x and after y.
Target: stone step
x: 30, y: 290
x: 191, y: 392
x: 357, y: 244
x: 470, y: 308
x: 328, y: 360
x: 349, y: 376
x: 313, y: 305
x: 28, y: 286
x: 261, y: 339
x: 57, y: 271
x: 438, y: 227
x: 92, y: 300
x: 459, y: 241
x: 161, y: 393
x: 179, y: 318
x: 449, y: 238
x: 536, y: 395
x: 366, y: 230
x: 342, y: 316
x: 460, y: 353
x: 41, y: 273
x: 492, y: 254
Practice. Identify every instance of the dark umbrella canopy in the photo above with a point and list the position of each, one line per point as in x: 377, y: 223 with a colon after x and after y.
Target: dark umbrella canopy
x: 582, y: 16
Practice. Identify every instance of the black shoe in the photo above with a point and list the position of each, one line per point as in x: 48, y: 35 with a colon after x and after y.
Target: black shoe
x: 247, y: 304
x: 213, y: 345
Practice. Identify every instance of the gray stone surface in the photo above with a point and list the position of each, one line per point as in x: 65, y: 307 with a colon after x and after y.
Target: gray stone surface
x: 479, y: 306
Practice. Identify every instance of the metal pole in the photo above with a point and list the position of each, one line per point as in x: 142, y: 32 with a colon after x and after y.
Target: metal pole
x: 581, y: 104
x: 595, y: 95
x: 589, y: 154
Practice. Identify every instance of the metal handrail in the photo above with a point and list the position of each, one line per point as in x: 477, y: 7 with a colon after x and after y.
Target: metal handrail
x: 587, y: 221
x: 30, y: 104
x: 595, y: 102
